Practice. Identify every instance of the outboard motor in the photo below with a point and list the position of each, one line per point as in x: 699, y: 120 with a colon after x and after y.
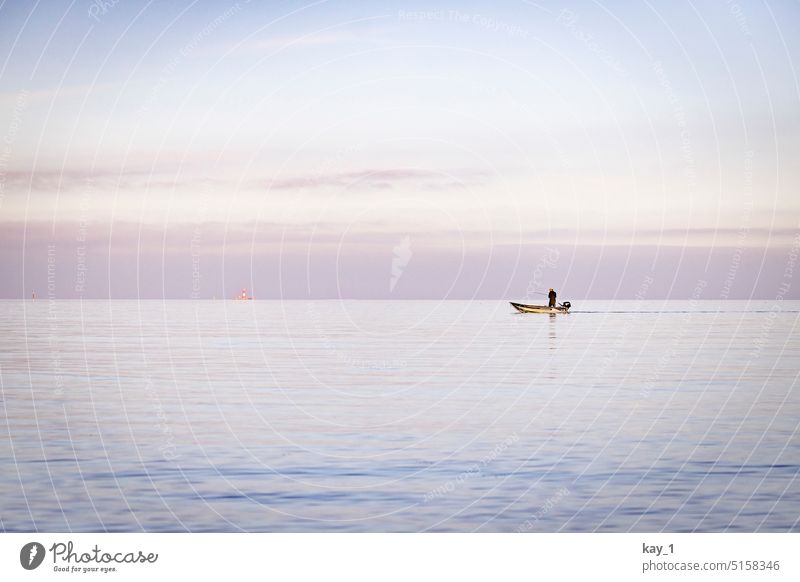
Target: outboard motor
x: 567, y: 305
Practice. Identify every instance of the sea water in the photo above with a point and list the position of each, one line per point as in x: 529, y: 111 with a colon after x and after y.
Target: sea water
x: 399, y: 416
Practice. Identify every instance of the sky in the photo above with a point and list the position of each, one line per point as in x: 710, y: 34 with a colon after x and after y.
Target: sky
x: 399, y: 150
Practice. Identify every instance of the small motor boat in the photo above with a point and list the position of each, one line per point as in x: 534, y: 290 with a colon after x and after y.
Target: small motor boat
x: 522, y: 308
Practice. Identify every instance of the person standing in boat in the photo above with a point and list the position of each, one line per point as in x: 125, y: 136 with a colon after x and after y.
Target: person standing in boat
x: 552, y: 297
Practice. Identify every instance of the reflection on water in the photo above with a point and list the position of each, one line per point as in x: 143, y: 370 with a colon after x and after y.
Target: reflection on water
x: 400, y: 416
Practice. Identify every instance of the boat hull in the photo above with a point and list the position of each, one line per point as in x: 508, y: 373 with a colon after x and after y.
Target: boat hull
x: 522, y: 308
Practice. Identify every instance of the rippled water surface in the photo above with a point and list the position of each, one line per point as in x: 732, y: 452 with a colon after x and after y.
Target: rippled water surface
x: 399, y: 416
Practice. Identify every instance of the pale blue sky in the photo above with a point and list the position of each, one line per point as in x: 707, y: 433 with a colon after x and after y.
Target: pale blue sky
x: 305, y: 131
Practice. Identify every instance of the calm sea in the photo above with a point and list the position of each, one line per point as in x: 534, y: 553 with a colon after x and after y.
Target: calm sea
x: 399, y: 416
